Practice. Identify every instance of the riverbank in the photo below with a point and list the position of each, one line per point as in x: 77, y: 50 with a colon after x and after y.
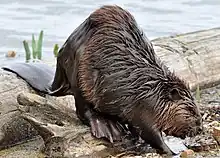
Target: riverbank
x: 193, y: 56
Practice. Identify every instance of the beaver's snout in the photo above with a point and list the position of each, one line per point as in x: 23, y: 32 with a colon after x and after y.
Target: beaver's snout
x: 199, y: 130
x: 199, y: 126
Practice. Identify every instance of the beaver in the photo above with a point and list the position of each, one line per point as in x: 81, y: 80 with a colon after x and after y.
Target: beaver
x: 111, y: 68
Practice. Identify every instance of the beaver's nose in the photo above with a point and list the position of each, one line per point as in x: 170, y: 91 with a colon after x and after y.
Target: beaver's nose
x: 199, y: 125
x: 199, y: 122
x: 199, y: 129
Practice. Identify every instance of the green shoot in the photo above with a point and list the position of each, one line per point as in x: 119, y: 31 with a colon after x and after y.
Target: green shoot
x: 39, y: 45
x: 55, y: 50
x: 34, y: 52
x: 198, y: 94
x: 27, y: 51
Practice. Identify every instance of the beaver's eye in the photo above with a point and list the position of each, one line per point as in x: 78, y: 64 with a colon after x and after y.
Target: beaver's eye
x: 174, y: 95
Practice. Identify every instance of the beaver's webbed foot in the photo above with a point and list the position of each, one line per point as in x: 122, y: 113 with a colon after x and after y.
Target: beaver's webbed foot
x: 101, y: 126
x: 105, y: 128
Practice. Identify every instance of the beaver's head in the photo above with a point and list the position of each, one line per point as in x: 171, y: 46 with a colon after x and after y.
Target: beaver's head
x: 178, y: 115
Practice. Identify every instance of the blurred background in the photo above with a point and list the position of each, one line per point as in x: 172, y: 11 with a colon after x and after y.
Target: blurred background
x: 58, y: 18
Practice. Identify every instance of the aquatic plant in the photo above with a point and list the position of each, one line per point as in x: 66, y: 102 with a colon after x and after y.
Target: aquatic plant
x: 36, y: 47
x: 55, y: 50
x: 198, y: 94
x: 27, y: 51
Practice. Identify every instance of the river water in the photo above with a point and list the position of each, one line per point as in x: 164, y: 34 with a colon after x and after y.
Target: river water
x: 58, y: 18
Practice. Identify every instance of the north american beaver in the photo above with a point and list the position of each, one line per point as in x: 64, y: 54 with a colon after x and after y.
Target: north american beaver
x: 111, y: 68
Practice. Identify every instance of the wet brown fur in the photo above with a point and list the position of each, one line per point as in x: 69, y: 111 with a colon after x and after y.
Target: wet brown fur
x: 119, y: 71
x: 110, y: 67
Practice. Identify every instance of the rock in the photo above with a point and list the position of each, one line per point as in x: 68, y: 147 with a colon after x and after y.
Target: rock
x: 216, y: 134
x: 214, y: 123
x: 153, y: 155
x: 200, y: 143
x: 11, y: 54
x: 187, y: 153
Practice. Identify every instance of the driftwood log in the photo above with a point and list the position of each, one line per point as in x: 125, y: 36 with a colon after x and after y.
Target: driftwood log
x: 62, y: 132
x: 24, y: 114
x: 193, y: 56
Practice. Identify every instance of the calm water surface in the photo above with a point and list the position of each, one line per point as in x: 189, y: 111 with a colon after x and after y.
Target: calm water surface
x: 58, y: 18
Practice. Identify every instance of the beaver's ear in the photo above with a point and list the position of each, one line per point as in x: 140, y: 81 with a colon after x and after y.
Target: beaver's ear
x: 174, y: 94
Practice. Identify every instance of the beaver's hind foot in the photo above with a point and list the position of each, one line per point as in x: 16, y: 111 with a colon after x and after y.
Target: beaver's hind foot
x: 105, y: 128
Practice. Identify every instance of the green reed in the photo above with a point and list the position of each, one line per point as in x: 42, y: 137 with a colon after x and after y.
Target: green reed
x: 36, y: 47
